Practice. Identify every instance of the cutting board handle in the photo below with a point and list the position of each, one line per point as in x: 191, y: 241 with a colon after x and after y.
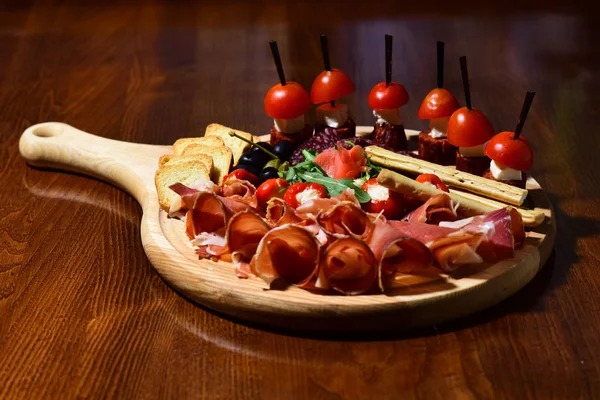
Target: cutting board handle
x: 129, y: 166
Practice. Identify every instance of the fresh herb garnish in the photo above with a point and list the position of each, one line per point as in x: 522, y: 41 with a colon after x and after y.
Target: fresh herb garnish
x: 335, y: 187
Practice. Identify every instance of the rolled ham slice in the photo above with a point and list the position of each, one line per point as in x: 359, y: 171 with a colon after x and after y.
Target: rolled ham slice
x: 244, y: 231
x: 502, y: 231
x: 396, y: 253
x: 438, y: 208
x: 207, y: 221
x: 280, y: 213
x: 289, y: 253
x: 345, y: 220
x: 240, y: 190
x: 451, y: 248
x: 349, y: 267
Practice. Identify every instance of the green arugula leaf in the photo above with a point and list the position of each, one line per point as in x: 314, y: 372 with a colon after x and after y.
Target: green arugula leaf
x: 335, y: 187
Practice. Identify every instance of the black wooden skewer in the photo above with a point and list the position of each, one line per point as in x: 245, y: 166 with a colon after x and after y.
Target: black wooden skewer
x: 524, y: 112
x: 465, y: 78
x: 277, y: 59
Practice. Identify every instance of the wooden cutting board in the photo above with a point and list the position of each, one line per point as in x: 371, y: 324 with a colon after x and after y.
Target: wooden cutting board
x: 427, y: 299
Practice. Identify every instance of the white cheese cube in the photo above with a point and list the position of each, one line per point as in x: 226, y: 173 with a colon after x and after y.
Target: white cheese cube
x: 290, y: 126
x: 334, y: 117
x: 504, y: 174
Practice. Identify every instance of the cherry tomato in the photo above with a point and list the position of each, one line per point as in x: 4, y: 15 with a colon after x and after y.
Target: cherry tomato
x: 331, y: 85
x: 286, y: 102
x: 243, y: 175
x: 468, y: 128
x: 274, y: 187
x: 439, y: 103
x: 385, y: 98
x: 506, y: 151
x: 292, y: 194
x: 391, y: 203
x: 434, y: 180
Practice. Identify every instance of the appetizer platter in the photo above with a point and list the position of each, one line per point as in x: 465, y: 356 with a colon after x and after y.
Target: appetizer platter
x: 333, y: 226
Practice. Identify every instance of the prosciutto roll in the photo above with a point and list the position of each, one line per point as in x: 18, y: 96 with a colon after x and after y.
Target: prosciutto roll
x: 345, y: 220
x: 244, y: 232
x: 289, y: 253
x: 349, y: 267
x: 438, y: 208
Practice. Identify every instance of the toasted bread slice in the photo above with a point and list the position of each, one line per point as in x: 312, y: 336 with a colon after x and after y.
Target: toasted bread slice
x: 164, y: 159
x: 185, y: 173
x: 237, y: 146
x: 221, y: 156
x: 181, y: 144
x: 203, y: 158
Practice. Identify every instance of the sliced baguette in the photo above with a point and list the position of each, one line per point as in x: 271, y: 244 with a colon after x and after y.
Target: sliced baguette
x: 185, y: 173
x: 237, y: 146
x: 203, y: 158
x: 181, y: 144
x: 221, y: 156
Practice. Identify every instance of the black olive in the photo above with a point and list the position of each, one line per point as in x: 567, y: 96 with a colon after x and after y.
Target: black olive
x: 257, y: 159
x: 266, y: 145
x: 269, y: 173
x: 250, y: 168
x: 284, y: 149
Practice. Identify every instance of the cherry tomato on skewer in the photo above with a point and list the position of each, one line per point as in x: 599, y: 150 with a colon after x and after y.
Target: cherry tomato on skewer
x: 509, y: 152
x: 287, y: 101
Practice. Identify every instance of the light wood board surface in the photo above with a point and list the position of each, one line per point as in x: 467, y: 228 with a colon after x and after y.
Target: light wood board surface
x: 427, y: 299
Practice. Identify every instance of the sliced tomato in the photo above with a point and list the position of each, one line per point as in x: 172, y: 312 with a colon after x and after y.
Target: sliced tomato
x: 383, y: 200
x: 439, y: 103
x: 468, y: 128
x: 243, y: 175
x: 301, y: 192
x: 287, y: 101
x: 434, y: 180
x: 331, y: 85
x: 385, y: 98
x: 274, y: 187
x: 506, y: 151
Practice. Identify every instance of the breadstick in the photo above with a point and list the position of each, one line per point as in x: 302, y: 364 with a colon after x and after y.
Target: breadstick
x: 451, y: 177
x: 531, y: 218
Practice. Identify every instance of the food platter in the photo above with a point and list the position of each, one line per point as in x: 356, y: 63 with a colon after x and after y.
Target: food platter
x: 426, y: 299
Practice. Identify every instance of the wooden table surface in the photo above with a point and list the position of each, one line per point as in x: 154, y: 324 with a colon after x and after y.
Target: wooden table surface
x: 84, y: 315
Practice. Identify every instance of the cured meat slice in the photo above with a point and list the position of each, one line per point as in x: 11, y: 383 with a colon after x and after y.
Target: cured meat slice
x: 207, y: 221
x: 396, y: 253
x: 187, y: 195
x: 244, y: 231
x: 280, y: 213
x: 438, y: 208
x: 502, y: 229
x: 345, y: 220
x: 349, y: 267
x: 312, y: 208
x: 450, y: 247
x: 240, y: 190
x: 288, y: 253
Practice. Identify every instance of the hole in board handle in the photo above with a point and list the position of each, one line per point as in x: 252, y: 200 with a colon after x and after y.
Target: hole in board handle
x: 48, y: 130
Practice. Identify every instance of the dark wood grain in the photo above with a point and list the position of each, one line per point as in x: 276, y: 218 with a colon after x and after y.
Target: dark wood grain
x: 84, y: 315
